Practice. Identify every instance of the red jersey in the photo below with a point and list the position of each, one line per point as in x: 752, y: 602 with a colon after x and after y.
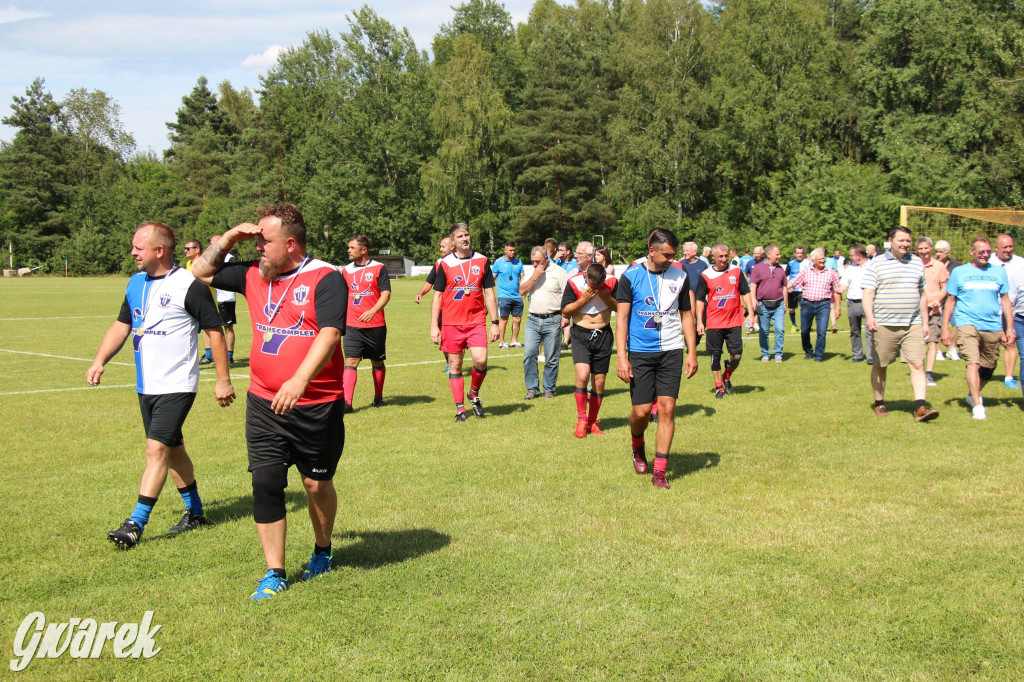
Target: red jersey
x: 364, y: 284
x: 307, y: 300
x: 462, y: 282
x: 576, y: 286
x: 721, y: 292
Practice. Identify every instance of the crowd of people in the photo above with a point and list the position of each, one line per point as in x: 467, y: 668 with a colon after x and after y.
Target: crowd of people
x: 313, y: 323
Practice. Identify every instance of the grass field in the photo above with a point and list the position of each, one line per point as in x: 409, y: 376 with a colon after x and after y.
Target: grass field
x: 802, y: 538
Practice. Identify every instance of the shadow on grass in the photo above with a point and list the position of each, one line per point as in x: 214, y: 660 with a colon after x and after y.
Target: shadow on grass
x: 987, y: 401
x: 690, y: 410
x: 403, y: 400
x: 509, y: 408
x: 748, y: 389
x: 375, y: 549
x: 684, y: 465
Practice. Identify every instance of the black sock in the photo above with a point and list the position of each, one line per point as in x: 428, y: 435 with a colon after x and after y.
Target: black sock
x: 918, y: 404
x: 280, y: 573
x: 879, y: 403
x: 317, y: 549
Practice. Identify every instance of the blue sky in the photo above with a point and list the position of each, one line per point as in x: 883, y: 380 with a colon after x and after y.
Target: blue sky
x: 147, y: 55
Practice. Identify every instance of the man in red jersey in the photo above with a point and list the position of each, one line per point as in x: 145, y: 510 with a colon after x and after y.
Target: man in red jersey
x: 464, y: 296
x: 294, y: 411
x: 366, y: 333
x: 722, y: 294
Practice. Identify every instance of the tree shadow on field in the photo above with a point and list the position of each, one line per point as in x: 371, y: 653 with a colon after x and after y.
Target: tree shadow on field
x: 374, y: 549
x: 690, y: 410
x: 404, y: 400
x: 509, y: 408
x: 987, y: 401
x: 684, y: 465
x: 748, y: 389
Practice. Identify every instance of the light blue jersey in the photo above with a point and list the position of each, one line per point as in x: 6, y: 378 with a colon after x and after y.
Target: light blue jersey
x: 506, y: 277
x: 977, y: 294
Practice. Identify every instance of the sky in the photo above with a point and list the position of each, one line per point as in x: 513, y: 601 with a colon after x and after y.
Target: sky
x: 148, y: 55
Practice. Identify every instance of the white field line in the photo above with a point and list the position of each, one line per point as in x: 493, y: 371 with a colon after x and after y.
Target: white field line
x: 100, y: 387
x: 62, y: 357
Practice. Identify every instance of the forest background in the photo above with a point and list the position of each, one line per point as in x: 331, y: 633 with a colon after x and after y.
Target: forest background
x: 749, y: 121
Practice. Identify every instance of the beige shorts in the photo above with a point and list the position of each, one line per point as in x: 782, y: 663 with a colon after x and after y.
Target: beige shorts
x: 906, y: 341
x: 978, y: 348
x: 935, y: 327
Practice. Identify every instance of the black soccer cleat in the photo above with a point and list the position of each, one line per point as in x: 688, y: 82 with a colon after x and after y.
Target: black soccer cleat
x: 378, y: 401
x: 478, y: 407
x: 720, y: 393
x: 727, y: 384
x: 127, y: 536
x: 189, y: 521
x: 348, y: 409
x: 460, y: 417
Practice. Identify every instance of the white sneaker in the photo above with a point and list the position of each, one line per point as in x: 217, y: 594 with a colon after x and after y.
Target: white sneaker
x: 502, y: 345
x: 952, y: 354
x: 978, y: 412
x: 939, y: 357
x: 970, y: 402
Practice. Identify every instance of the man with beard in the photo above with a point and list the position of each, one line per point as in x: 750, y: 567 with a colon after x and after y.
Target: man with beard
x: 295, y: 406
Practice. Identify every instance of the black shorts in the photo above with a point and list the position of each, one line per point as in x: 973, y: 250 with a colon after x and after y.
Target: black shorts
x: 227, y: 313
x: 794, y: 299
x: 164, y: 415
x: 655, y: 374
x: 592, y: 347
x: 733, y: 338
x: 311, y: 437
x: 366, y: 342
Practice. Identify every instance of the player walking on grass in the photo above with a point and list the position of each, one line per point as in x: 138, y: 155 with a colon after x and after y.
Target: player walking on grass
x: 163, y: 310
x: 587, y: 300
x: 654, y: 316
x: 366, y: 334
x: 295, y: 406
x: 722, y: 294
x: 464, y: 297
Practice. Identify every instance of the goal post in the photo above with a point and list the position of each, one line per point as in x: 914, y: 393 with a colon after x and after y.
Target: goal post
x: 959, y: 225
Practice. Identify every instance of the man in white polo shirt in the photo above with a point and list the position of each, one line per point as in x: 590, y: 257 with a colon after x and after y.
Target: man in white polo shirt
x: 1004, y: 257
x: 850, y: 284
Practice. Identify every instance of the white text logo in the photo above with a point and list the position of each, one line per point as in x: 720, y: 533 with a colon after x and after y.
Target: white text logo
x: 82, y: 638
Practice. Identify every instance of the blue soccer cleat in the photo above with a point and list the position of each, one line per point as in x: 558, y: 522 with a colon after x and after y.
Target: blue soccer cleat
x: 318, y: 565
x: 269, y: 586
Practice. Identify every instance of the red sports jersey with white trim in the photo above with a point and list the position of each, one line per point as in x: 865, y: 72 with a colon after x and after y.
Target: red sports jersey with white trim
x: 596, y: 305
x: 723, y: 308
x: 462, y: 301
x: 291, y: 333
x: 363, y: 284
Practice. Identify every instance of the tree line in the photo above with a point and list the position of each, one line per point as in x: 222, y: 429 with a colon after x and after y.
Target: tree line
x: 748, y: 121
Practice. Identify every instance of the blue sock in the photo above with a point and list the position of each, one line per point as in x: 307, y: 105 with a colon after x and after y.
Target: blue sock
x: 231, y: 356
x: 142, y: 510
x: 209, y: 354
x: 190, y: 496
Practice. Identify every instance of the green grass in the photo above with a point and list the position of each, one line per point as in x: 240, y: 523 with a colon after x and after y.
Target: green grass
x: 802, y: 537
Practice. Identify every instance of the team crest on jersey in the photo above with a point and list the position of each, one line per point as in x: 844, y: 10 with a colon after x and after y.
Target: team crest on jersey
x: 369, y: 277
x: 672, y: 288
x: 301, y: 295
x: 165, y: 300
x: 732, y: 279
x: 475, y: 269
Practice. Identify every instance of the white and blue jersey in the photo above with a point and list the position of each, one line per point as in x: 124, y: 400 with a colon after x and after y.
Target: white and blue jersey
x: 978, y: 295
x: 656, y: 299
x: 169, y: 311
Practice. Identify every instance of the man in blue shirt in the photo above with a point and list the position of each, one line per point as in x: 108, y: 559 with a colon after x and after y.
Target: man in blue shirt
x: 979, y: 305
x: 654, y: 317
x: 508, y: 275
x: 564, y: 258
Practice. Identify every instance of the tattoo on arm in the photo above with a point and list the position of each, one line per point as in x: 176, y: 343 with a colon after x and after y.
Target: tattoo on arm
x: 214, y: 255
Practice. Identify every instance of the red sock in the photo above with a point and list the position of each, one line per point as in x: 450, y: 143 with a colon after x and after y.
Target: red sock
x: 476, y: 378
x: 660, y: 463
x: 595, y: 406
x: 378, y: 381
x: 458, y: 386
x: 719, y: 384
x: 654, y: 409
x: 348, y: 383
x: 727, y: 374
x: 638, y: 441
x: 581, y: 403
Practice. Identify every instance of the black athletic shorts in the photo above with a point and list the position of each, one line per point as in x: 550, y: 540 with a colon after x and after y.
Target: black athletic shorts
x: 795, y: 297
x: 366, y: 342
x: 311, y: 437
x: 592, y: 347
x: 163, y: 416
x: 732, y: 338
x: 227, y: 312
x: 655, y: 374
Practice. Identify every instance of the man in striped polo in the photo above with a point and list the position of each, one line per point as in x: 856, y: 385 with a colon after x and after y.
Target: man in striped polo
x: 896, y: 311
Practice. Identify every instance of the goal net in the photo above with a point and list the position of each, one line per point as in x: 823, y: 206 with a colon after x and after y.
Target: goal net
x: 959, y: 225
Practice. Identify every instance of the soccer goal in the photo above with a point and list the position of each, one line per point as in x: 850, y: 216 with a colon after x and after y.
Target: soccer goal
x: 959, y: 225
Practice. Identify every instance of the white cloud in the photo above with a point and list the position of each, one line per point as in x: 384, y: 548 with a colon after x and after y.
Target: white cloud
x: 261, y: 62
x: 11, y: 14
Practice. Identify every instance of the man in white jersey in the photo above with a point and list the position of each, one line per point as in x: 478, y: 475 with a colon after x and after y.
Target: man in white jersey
x: 164, y: 308
x: 1004, y: 257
